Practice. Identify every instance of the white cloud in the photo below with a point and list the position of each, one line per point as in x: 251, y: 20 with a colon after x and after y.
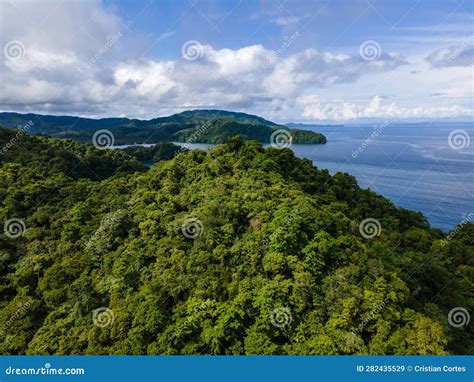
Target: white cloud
x: 286, y: 20
x: 230, y: 62
x: 376, y: 108
x: 148, y: 79
x: 70, y: 65
x: 462, y: 55
x: 321, y: 69
x: 51, y: 26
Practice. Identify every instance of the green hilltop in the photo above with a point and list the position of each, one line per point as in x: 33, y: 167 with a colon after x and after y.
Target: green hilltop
x: 197, y: 126
x: 234, y: 250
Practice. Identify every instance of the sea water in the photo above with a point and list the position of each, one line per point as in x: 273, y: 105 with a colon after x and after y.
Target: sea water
x: 417, y: 166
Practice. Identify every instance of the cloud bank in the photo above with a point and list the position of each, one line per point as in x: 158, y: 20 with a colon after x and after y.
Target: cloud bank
x: 79, y: 58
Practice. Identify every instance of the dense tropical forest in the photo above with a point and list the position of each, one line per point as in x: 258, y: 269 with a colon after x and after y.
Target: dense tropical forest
x: 234, y: 250
x: 155, y: 153
x: 197, y: 126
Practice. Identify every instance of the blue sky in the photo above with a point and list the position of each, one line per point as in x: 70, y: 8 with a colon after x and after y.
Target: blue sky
x: 327, y: 25
x: 303, y: 61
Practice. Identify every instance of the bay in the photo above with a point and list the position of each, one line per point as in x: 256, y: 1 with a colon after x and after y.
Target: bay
x: 417, y: 166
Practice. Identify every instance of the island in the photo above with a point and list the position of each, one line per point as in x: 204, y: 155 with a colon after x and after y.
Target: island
x: 195, y: 126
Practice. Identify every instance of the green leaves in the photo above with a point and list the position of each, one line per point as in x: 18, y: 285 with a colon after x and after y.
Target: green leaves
x: 278, y: 265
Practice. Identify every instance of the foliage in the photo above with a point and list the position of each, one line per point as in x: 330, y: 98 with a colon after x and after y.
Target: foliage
x: 155, y: 153
x: 277, y: 233
x: 54, y: 156
x: 306, y: 136
x: 196, y: 126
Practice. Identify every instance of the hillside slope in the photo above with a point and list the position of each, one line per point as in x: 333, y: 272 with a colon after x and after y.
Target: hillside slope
x: 52, y: 156
x: 198, y: 126
x: 237, y: 250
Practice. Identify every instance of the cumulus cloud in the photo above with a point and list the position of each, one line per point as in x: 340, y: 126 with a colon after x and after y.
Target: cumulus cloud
x: 59, y: 47
x: 376, y: 108
x: 78, y: 58
x: 323, y: 69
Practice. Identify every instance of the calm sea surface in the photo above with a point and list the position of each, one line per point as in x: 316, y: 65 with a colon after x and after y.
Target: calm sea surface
x: 413, y: 165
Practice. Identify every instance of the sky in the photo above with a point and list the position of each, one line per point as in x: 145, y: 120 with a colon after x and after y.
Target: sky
x: 287, y: 61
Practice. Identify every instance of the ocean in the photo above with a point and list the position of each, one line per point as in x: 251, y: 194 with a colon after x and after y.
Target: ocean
x: 417, y: 166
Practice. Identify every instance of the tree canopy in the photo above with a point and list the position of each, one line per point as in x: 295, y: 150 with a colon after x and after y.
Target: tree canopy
x: 234, y: 250
x: 197, y: 126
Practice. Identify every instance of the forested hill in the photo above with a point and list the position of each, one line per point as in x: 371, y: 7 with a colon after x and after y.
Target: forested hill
x: 197, y: 126
x: 46, y: 157
x: 234, y: 250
